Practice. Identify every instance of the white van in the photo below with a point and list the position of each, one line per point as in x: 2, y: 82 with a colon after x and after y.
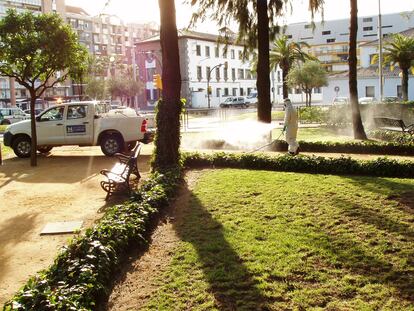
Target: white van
x: 13, y: 115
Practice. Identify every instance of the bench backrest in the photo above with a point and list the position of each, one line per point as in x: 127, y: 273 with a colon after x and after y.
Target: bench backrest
x: 132, y: 164
x: 382, y: 121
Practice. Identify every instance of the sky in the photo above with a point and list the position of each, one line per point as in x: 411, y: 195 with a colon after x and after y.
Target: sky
x: 147, y: 10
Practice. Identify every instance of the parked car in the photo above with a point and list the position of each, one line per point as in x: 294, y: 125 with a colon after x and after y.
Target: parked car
x: 37, y: 111
x: 340, y: 101
x: 367, y: 100
x: 82, y: 124
x: 234, y: 102
x: 251, y: 99
x: 13, y: 115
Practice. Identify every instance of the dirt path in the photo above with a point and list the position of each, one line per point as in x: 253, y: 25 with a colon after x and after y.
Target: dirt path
x: 137, y: 284
x: 63, y: 187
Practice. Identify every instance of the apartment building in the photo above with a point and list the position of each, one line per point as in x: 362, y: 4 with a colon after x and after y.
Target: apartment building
x: 329, y: 40
x: 202, y: 62
x: 103, y: 35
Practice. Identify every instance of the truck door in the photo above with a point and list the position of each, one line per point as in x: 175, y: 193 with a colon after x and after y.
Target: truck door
x: 50, y: 126
x: 78, y: 128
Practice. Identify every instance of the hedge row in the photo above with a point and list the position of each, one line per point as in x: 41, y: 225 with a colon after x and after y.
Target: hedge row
x: 392, y: 136
x: 358, y: 147
x: 82, y: 273
x: 310, y: 164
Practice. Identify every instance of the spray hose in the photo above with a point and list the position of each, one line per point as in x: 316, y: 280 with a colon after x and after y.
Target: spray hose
x: 261, y: 147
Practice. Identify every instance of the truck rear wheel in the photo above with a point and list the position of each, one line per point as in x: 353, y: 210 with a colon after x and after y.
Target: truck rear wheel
x: 22, y: 146
x: 111, y: 144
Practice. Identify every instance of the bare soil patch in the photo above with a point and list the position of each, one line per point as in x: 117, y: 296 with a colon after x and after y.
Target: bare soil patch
x: 136, y: 285
x: 63, y: 187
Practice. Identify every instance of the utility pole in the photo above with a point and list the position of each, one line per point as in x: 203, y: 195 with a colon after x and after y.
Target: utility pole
x: 381, y: 80
x: 208, y: 81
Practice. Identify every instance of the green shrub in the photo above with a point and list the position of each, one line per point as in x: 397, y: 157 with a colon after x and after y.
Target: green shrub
x: 392, y: 136
x: 313, y: 115
x: 358, y: 147
x: 82, y: 273
x: 308, y: 164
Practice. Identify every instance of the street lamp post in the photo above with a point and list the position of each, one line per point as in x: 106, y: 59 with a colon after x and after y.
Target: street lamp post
x: 381, y: 81
x: 208, y: 81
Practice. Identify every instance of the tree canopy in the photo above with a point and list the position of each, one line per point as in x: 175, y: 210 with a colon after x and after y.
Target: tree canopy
x: 307, y: 76
x: 39, y: 51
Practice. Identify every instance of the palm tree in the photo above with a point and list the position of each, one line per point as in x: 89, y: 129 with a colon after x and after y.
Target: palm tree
x: 400, y: 52
x: 358, y: 127
x: 285, y: 54
x: 167, y: 140
x: 256, y: 29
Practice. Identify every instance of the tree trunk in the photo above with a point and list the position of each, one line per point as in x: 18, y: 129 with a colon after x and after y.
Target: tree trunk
x: 285, y: 87
x: 358, y: 127
x: 33, y: 157
x: 310, y: 97
x: 167, y: 141
x: 264, y: 107
x: 404, y: 83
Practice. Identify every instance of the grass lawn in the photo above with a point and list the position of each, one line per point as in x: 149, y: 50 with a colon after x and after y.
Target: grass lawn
x: 256, y: 240
x: 317, y: 134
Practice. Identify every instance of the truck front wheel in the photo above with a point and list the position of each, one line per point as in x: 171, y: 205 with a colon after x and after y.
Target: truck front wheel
x: 22, y: 146
x: 111, y: 144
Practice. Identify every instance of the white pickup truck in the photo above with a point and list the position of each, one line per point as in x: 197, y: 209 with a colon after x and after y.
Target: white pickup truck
x: 80, y: 123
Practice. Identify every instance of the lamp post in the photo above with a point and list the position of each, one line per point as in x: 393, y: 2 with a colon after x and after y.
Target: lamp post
x: 208, y: 81
x: 381, y: 82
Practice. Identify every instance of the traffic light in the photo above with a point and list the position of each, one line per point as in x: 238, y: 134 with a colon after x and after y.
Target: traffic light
x: 156, y: 79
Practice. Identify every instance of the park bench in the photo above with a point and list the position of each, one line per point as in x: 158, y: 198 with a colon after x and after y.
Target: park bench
x: 392, y: 124
x: 118, y: 178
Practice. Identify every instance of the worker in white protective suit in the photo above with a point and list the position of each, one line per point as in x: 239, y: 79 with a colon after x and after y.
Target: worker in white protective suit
x: 291, y: 127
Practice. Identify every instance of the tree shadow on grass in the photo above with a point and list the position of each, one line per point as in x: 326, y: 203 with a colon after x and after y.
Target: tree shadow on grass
x: 357, y: 257
x: 232, y: 285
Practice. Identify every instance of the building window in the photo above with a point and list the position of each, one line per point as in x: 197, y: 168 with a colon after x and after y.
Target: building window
x: 234, y: 91
x: 241, y: 91
x: 208, y: 73
x: 218, y: 73
x: 279, y: 78
x: 371, y: 35
x: 240, y: 55
x: 289, y: 36
x: 232, y: 54
x: 367, y: 19
x: 207, y: 51
x: 226, y: 91
x: 370, y: 91
x: 317, y: 90
x: 198, y: 50
x: 399, y: 91
x: 240, y: 74
x: 326, y: 32
x: 216, y: 52
x: 367, y: 28
x: 225, y: 53
x: 218, y: 92
x: 199, y: 73
x: 330, y: 40
x: 233, y: 74
x: 308, y: 26
x: 226, y: 74
x: 248, y: 74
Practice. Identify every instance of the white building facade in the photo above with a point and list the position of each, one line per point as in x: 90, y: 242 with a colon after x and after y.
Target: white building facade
x: 205, y: 64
